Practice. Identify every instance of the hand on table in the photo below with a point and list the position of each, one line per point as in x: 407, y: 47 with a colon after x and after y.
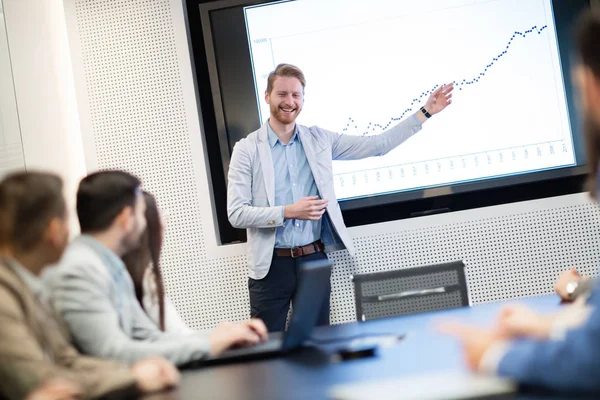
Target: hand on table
x: 520, y: 321
x: 155, y: 374
x: 475, y: 341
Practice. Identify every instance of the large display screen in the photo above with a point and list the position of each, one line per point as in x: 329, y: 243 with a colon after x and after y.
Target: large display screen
x: 370, y: 64
x: 513, y: 132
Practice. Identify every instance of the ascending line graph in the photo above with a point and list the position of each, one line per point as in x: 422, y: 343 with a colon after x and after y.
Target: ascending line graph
x: 509, y: 112
x: 460, y: 85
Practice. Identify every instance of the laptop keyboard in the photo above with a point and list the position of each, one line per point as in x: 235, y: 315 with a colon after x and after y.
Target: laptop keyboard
x: 271, y: 344
x: 268, y: 346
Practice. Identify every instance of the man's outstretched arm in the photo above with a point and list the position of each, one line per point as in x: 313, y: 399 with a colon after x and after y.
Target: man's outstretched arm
x: 349, y: 147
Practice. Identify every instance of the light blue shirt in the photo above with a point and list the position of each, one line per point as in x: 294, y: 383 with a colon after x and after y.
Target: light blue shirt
x: 293, y: 180
x: 125, y: 298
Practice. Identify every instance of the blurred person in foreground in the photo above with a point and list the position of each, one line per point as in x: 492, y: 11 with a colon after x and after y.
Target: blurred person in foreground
x: 562, y: 351
x: 37, y: 360
x: 94, y: 295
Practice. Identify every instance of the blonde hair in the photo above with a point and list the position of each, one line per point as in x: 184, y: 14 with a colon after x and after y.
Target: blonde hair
x: 288, y: 71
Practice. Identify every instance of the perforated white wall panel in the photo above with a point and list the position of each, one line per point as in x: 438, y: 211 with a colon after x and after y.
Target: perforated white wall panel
x: 138, y: 112
x: 510, y: 251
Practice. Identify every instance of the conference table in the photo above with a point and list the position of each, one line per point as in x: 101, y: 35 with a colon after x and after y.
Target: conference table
x: 310, y: 373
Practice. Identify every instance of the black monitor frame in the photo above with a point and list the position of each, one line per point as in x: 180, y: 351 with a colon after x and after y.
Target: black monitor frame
x: 221, y: 129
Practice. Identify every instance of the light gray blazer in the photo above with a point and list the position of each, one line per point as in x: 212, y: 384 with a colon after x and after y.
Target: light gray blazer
x: 251, y: 186
x: 105, y: 318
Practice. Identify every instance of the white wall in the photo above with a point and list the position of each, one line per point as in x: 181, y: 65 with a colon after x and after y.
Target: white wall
x: 45, y: 91
x: 11, y: 150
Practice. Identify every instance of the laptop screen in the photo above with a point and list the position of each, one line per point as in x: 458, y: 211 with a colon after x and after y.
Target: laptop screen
x: 314, y: 279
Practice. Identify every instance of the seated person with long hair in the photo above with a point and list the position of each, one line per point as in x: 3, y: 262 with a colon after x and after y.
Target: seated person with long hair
x: 37, y: 361
x: 143, y: 264
x: 95, y: 296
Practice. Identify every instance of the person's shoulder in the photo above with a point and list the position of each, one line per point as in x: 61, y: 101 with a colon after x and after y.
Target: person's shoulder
x: 13, y: 299
x: 321, y: 137
x: 249, y: 144
x: 12, y: 288
x: 250, y: 139
x: 8, y: 276
x: 76, y: 254
x: 16, y: 299
x: 315, y: 131
x: 78, y: 260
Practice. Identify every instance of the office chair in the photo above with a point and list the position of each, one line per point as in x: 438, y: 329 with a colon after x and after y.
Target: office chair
x: 410, y: 291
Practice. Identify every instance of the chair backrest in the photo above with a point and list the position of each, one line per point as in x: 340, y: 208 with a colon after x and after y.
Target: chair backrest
x: 410, y: 291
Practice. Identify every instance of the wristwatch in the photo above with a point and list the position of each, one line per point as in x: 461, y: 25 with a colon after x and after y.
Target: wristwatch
x: 425, y: 112
x: 571, y: 289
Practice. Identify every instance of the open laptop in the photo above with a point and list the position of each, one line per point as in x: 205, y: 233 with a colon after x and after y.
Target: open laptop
x: 312, y: 289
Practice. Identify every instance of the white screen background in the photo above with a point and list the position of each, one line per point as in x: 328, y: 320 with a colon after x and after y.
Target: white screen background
x: 367, y: 62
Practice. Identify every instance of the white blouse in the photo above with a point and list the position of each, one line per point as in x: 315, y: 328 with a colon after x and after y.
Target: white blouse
x: 173, y: 321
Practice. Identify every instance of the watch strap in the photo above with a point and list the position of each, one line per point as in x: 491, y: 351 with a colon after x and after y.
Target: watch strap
x: 425, y: 112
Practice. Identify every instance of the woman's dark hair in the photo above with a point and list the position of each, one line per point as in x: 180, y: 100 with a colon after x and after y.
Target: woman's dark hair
x: 148, y: 252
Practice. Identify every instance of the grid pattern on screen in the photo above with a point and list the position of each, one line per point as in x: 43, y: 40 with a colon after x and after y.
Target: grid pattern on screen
x: 133, y: 78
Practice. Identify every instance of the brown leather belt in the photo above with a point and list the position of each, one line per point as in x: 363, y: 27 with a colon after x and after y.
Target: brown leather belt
x: 301, y: 251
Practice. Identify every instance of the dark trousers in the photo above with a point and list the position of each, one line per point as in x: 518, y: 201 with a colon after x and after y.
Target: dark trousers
x: 271, y: 296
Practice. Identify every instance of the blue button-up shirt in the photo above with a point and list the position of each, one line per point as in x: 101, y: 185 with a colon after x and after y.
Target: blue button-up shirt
x: 293, y: 180
x: 124, y: 295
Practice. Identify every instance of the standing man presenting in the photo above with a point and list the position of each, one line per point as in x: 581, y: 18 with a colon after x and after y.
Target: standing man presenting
x: 281, y: 190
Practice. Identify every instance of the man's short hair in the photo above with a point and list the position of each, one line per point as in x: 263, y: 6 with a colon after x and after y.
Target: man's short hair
x: 28, y: 202
x: 288, y: 71
x: 102, y: 196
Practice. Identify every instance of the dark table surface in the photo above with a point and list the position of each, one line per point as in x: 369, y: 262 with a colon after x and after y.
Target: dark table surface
x: 310, y: 373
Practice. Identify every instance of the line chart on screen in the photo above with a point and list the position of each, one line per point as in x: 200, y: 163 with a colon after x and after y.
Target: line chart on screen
x: 370, y: 65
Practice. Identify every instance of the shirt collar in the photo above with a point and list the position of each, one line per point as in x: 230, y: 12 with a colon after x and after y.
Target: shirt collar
x: 33, y: 282
x: 273, y: 139
x: 113, y: 260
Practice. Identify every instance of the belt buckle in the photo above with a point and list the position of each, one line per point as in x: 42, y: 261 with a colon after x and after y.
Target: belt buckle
x: 295, y: 252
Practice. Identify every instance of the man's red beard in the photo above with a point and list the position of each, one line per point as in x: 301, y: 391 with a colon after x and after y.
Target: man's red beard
x: 282, y: 116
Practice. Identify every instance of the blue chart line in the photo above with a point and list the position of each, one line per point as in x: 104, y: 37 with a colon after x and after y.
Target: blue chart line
x: 457, y: 84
